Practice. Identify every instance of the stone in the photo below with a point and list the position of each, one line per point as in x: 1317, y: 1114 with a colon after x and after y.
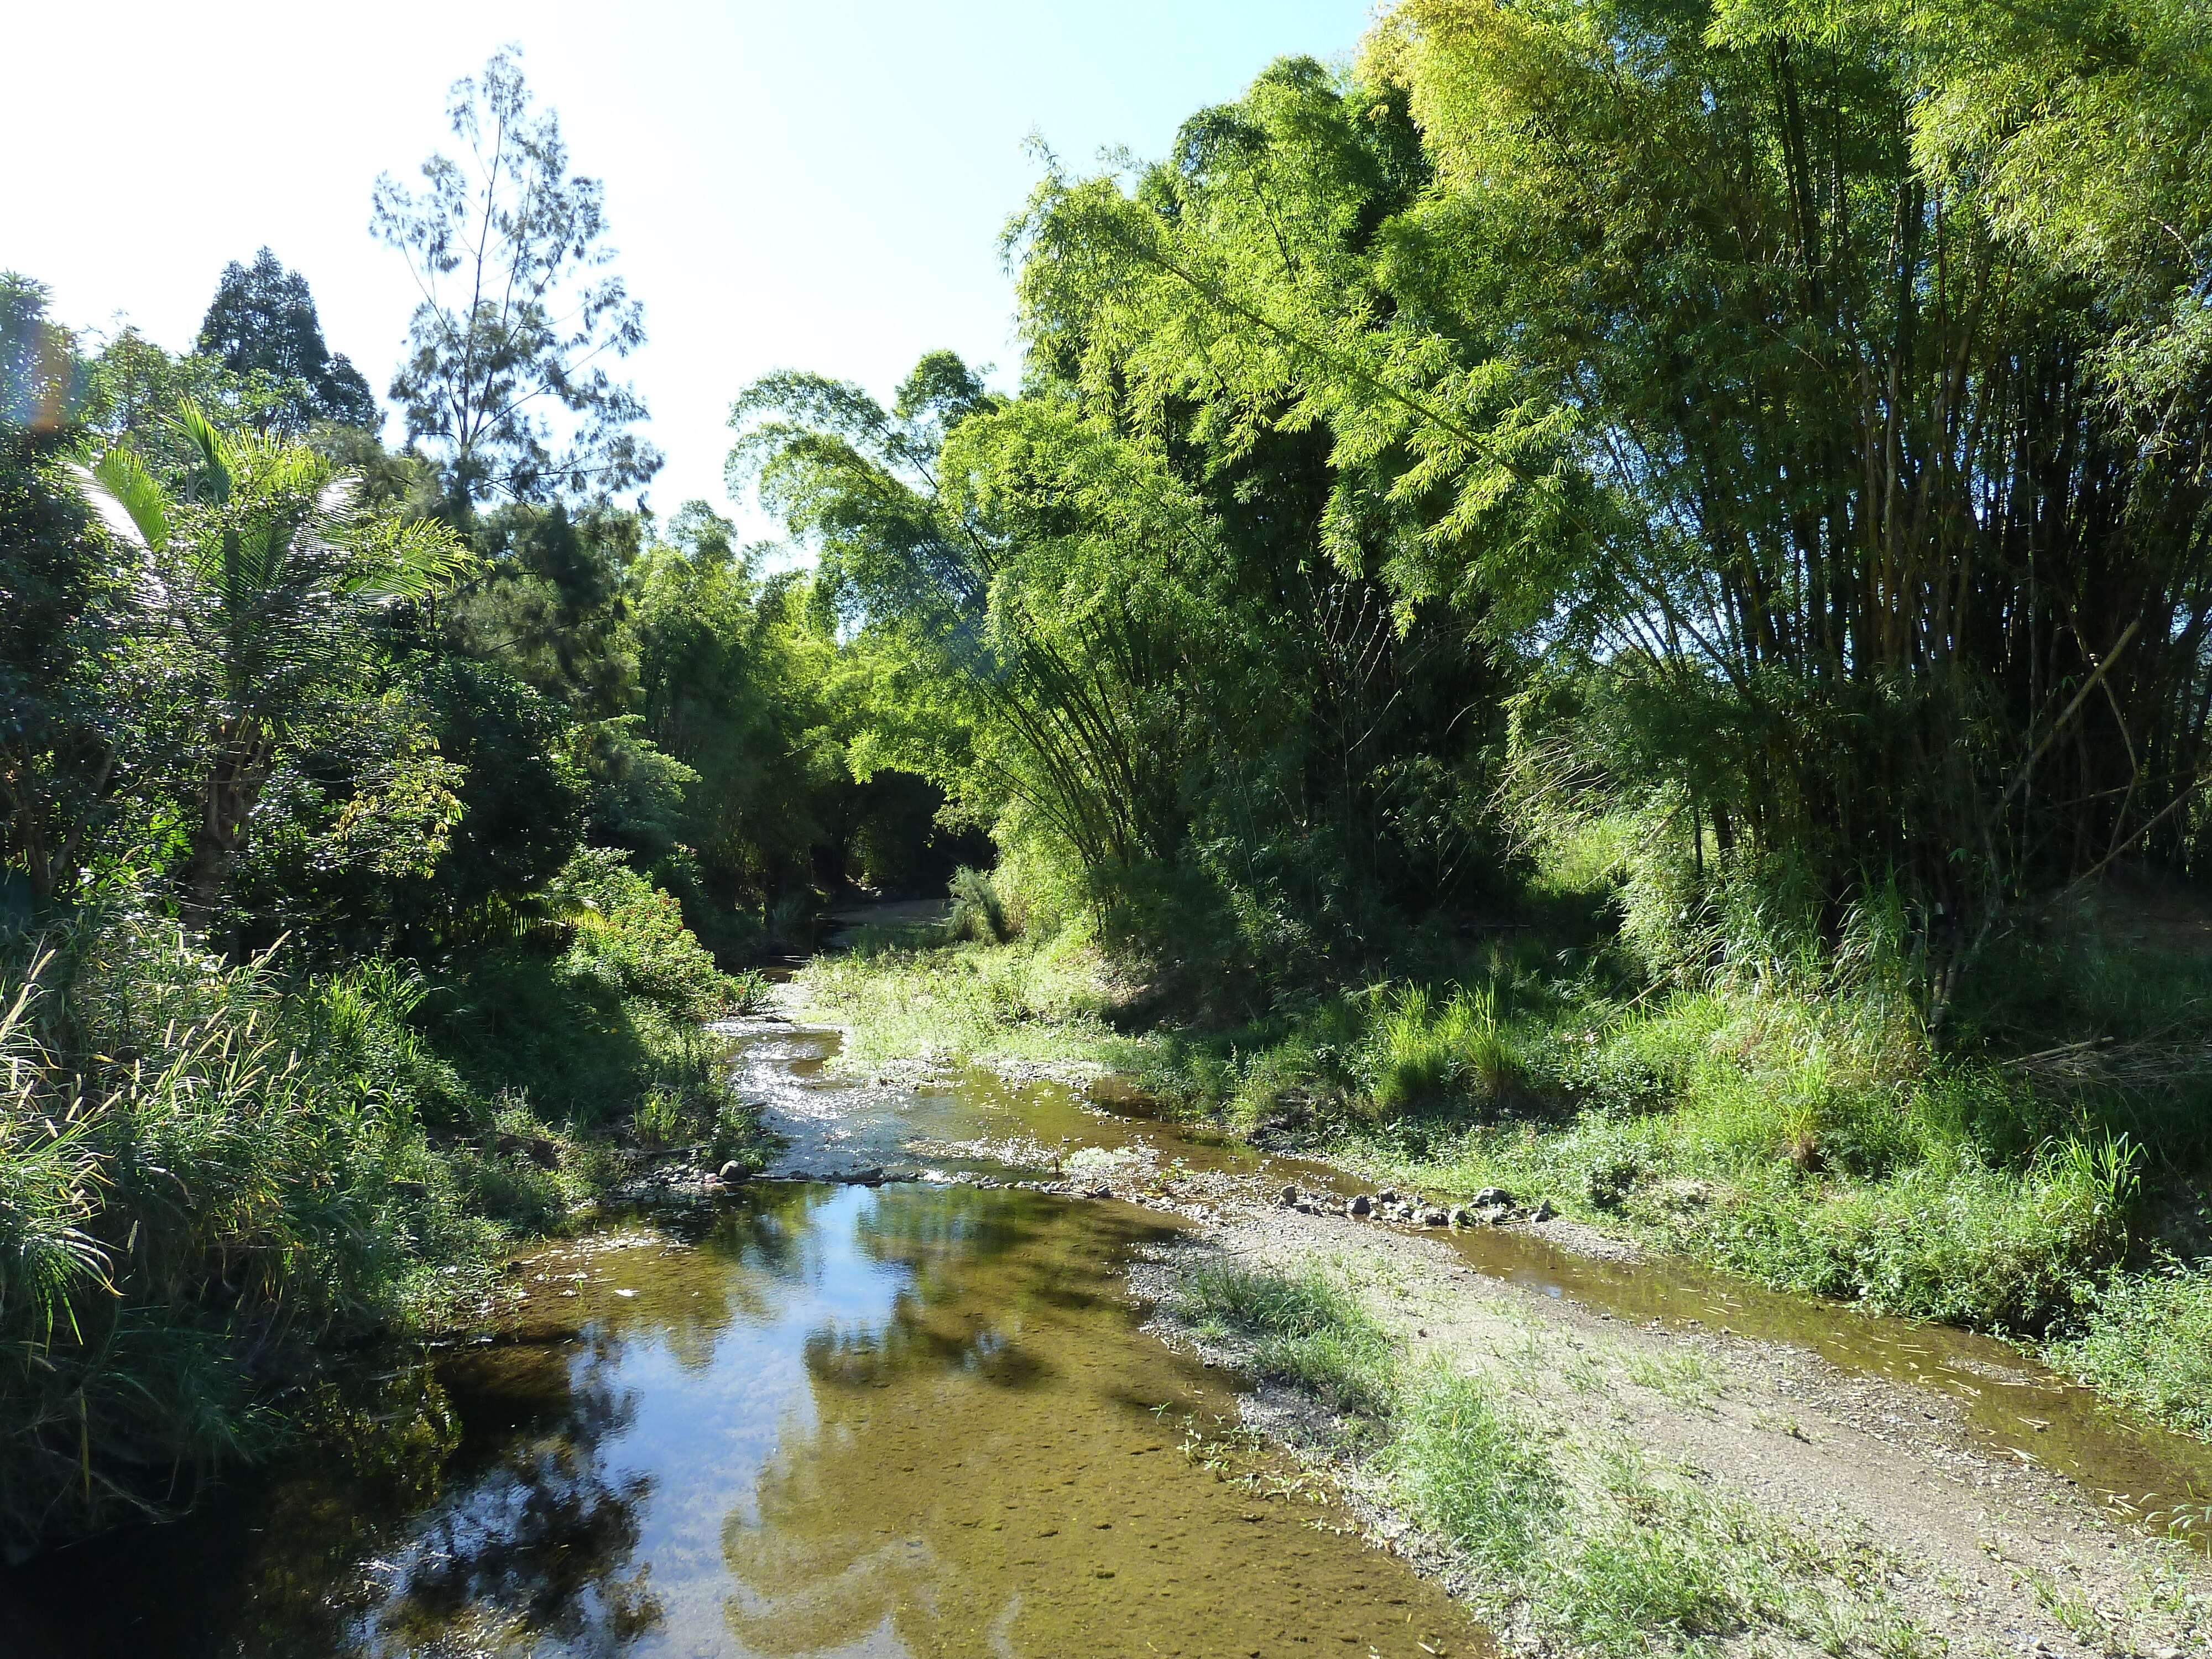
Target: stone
x: 1387, y: 1195
x: 732, y: 1172
x: 1434, y: 1218
x: 1490, y: 1195
x: 1100, y: 1192
x: 1290, y: 1196
x: 1362, y: 1205
x: 1544, y: 1212
x: 1460, y: 1218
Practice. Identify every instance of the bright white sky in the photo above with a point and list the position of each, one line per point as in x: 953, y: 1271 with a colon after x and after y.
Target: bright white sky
x: 789, y: 186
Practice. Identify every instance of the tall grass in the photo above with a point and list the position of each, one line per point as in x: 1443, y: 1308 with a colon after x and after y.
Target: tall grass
x: 207, y: 1169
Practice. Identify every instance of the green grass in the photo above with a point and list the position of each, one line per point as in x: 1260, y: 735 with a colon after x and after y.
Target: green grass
x: 907, y: 994
x: 1305, y: 1330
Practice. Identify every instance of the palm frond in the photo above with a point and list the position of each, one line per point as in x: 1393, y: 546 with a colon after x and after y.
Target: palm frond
x: 214, y: 450
x: 407, y: 561
x: 130, y: 502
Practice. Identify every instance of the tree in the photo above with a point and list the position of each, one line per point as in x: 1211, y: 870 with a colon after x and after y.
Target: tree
x: 1753, y: 367
x: 520, y: 313
x: 262, y: 561
x: 42, y: 378
x: 66, y: 614
x: 263, y: 320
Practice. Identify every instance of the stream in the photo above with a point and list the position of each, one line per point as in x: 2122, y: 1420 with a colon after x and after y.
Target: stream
x: 810, y: 1416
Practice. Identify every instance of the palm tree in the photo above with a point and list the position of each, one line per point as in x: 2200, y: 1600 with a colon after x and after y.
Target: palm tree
x: 263, y: 560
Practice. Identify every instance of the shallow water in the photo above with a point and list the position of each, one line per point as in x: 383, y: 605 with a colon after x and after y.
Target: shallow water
x: 2013, y: 1404
x: 918, y: 1419
x: 912, y: 1419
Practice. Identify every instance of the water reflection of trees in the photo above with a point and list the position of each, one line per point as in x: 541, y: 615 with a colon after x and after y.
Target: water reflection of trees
x: 848, y: 1530
x: 534, y: 1548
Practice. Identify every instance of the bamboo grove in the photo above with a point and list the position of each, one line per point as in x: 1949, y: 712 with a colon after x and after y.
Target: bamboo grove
x: 1785, y: 422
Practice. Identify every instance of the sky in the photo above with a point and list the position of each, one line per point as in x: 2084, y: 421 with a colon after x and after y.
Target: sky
x: 789, y: 186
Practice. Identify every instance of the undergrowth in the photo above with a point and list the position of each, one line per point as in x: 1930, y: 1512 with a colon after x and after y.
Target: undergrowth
x: 210, y: 1171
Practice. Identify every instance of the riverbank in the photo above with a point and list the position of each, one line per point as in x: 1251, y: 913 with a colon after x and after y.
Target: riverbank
x: 220, y: 1181
x: 1592, y: 1484
x: 1624, y: 1457
x: 1746, y: 1132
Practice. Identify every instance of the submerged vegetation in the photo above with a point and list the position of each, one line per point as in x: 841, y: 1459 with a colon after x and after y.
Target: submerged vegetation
x: 1608, y: 599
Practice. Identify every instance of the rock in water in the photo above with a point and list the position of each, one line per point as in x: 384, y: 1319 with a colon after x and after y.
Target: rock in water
x: 1290, y: 1196
x: 1460, y: 1218
x: 1490, y: 1195
x: 1362, y: 1205
x: 732, y: 1171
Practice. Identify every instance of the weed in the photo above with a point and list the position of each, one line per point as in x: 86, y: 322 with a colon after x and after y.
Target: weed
x: 1304, y: 1329
x: 2148, y: 1340
x: 1473, y: 1471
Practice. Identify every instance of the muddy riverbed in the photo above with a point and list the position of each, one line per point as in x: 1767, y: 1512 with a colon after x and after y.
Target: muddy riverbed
x: 896, y: 1399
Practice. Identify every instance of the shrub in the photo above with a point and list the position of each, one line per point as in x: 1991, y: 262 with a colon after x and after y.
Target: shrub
x: 977, y: 915
x: 2147, y: 1339
x: 630, y: 936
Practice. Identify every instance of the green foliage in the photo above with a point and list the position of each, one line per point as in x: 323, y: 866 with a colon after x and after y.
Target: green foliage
x: 201, y: 1172
x: 977, y: 915
x: 630, y: 938
x: 1306, y: 1330
x: 2147, y: 1339
x: 263, y: 321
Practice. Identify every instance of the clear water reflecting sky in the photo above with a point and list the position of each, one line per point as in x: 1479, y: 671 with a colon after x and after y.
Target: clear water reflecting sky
x: 804, y: 185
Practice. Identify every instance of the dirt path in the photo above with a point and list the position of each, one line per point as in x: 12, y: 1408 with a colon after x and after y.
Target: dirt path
x: 1880, y: 1485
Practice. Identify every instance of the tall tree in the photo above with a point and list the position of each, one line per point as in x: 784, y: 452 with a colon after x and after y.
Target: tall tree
x: 520, y: 314
x: 263, y: 320
x: 262, y: 559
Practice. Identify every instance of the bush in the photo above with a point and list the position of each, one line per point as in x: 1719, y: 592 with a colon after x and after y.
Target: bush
x: 2148, y: 1340
x: 199, y: 1171
x: 630, y: 937
x: 977, y: 915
